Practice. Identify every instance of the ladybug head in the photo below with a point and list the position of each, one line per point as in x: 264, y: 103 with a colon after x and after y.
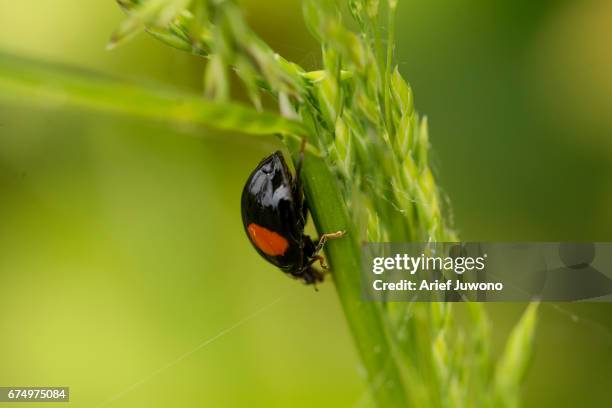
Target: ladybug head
x: 310, y: 276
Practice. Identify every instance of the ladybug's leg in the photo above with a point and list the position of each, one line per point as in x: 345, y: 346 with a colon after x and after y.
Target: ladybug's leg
x: 321, y: 261
x: 325, y: 237
x: 304, y: 211
x: 298, y: 192
x: 316, y: 258
x: 311, y: 251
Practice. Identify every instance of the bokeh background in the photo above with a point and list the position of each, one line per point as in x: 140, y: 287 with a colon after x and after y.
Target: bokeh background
x: 122, y: 249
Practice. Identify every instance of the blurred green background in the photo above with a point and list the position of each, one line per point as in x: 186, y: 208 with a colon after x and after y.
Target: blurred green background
x: 122, y: 249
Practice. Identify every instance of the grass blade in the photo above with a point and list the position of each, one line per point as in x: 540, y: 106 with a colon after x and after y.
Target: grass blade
x: 32, y: 82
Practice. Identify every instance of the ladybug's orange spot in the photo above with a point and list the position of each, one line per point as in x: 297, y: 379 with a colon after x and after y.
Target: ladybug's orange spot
x: 268, y: 241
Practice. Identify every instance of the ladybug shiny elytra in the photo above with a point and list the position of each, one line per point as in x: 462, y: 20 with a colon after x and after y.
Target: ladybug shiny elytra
x: 274, y: 213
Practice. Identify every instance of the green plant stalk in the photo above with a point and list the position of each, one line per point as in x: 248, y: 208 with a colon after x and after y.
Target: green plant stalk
x: 330, y: 214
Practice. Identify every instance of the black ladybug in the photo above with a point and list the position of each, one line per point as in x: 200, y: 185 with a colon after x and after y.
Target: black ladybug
x: 274, y: 213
